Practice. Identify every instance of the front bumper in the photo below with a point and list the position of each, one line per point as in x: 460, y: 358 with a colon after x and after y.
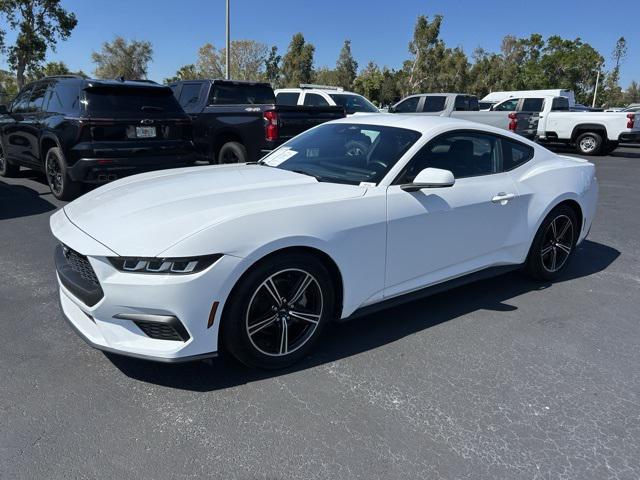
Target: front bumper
x: 99, y: 170
x: 112, y: 323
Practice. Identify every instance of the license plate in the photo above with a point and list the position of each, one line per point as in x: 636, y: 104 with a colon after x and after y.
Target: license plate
x: 145, y: 132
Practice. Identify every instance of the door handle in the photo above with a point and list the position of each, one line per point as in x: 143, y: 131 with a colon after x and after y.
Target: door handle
x: 502, y: 198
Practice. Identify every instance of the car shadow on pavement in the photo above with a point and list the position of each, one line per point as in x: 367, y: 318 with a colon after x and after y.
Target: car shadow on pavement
x: 20, y: 201
x: 625, y: 154
x: 360, y: 335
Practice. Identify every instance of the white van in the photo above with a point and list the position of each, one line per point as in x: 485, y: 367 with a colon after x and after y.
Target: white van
x: 509, y: 101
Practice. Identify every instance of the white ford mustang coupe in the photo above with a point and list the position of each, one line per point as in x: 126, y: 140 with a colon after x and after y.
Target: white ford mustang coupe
x: 350, y: 216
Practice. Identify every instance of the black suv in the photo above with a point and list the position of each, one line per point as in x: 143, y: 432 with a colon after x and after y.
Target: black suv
x: 93, y: 131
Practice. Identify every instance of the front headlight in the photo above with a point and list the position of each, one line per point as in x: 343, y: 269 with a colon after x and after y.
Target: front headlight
x: 165, y: 266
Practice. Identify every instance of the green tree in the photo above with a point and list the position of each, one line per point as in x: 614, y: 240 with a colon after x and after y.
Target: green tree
x: 297, y: 63
x: 426, y: 50
x: 612, y: 94
x: 272, y: 72
x: 346, y: 67
x: 632, y: 95
x: 325, y: 76
x: 186, y: 72
x: 39, y: 24
x: 246, y: 62
x: 369, y: 82
x: 8, y: 87
x: 121, y: 58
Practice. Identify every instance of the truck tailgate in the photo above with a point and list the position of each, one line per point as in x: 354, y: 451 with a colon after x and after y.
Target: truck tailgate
x: 294, y: 120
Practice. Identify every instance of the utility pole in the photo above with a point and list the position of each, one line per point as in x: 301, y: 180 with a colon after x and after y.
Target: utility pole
x: 595, y: 91
x: 228, y: 62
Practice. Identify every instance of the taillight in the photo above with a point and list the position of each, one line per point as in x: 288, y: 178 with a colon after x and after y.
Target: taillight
x: 270, y: 125
x: 513, y: 122
x: 631, y: 119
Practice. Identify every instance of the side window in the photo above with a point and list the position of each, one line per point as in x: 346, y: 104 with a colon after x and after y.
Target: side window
x: 315, y: 100
x: 21, y: 103
x: 532, y: 104
x: 37, y: 97
x: 408, y: 106
x: 434, y: 104
x: 465, y: 154
x: 507, y: 105
x: 514, y: 154
x: 189, y: 95
x: 462, y: 103
x: 287, y: 98
x: 560, y: 104
x: 65, y: 98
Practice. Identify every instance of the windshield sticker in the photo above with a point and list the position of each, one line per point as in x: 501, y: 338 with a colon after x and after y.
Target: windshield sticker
x: 280, y: 156
x: 368, y: 184
x: 313, y: 152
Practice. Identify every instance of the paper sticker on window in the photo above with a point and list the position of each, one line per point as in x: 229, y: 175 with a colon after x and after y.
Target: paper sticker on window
x: 313, y: 152
x: 280, y: 156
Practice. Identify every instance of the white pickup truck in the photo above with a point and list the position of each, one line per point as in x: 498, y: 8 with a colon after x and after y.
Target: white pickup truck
x: 590, y: 133
x: 463, y: 106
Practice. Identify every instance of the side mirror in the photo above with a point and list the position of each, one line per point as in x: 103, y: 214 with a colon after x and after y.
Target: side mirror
x: 430, y: 178
x: 3, y: 109
x: 391, y: 109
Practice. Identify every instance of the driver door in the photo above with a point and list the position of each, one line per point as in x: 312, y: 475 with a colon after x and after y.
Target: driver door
x: 436, y: 234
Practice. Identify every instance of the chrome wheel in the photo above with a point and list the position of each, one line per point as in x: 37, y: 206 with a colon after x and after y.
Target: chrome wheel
x: 588, y: 144
x: 557, y: 243
x: 54, y: 174
x: 284, y: 312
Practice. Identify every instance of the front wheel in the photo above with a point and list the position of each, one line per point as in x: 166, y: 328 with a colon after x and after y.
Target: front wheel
x: 553, y: 245
x: 277, y: 311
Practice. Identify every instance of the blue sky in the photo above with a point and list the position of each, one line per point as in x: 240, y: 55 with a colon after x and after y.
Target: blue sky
x: 379, y: 29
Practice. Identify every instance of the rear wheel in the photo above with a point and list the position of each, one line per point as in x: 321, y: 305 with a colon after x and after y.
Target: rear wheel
x: 7, y: 169
x: 589, y: 143
x: 61, y: 185
x: 554, y: 244
x: 277, y: 311
x: 232, y: 152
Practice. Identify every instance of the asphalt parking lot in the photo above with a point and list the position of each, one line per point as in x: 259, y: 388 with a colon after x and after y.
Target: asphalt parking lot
x: 502, y: 379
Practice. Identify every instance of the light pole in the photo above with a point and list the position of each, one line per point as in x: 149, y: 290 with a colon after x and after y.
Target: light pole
x: 595, y: 91
x: 227, y: 61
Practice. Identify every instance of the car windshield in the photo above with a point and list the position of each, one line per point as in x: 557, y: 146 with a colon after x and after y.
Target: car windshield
x: 344, y: 152
x: 353, y: 103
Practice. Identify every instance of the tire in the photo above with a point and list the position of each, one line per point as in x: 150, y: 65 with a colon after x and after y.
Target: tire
x: 232, y: 152
x: 589, y: 144
x: 7, y: 169
x: 296, y: 323
x: 609, y: 148
x: 55, y: 169
x: 553, y: 246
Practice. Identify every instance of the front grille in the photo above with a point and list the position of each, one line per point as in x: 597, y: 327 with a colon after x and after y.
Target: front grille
x: 80, y: 264
x: 77, y: 275
x: 159, y: 331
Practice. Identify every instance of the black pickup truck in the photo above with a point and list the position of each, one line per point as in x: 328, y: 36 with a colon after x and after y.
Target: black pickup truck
x: 236, y: 121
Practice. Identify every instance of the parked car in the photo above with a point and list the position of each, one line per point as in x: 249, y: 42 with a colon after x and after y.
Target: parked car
x: 258, y: 258
x: 499, y: 97
x: 463, y: 106
x: 590, y: 133
x: 236, y: 122
x: 80, y: 131
x: 323, y: 95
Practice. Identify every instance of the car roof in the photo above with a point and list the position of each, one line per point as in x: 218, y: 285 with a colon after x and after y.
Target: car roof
x: 426, y: 124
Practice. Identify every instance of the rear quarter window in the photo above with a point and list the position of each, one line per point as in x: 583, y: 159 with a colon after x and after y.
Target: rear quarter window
x: 287, y: 98
x: 515, y: 154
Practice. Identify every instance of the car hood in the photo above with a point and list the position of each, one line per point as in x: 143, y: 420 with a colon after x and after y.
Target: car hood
x: 146, y: 214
